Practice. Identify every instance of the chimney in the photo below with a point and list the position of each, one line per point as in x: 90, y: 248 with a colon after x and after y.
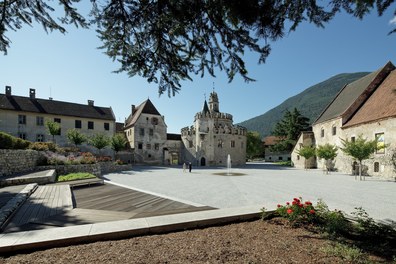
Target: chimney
x: 32, y: 93
x: 8, y: 90
x: 133, y: 109
x: 90, y: 102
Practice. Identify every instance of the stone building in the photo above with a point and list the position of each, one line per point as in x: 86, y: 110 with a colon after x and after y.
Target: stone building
x: 273, y: 156
x: 213, y: 137
x: 145, y: 130
x: 364, y: 108
x: 25, y: 117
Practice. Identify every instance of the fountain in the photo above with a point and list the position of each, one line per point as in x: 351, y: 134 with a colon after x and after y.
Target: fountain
x: 228, y: 164
x: 229, y: 173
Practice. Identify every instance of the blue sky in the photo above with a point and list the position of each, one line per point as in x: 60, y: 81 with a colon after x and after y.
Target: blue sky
x: 71, y: 68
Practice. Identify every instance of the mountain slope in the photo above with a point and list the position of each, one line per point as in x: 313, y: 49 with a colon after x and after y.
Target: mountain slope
x: 310, y: 102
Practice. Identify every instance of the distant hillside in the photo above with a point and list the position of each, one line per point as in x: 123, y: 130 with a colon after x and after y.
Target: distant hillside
x: 311, y: 102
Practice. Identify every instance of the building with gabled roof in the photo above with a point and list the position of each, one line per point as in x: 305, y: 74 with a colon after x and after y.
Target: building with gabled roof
x: 25, y: 117
x: 207, y: 142
x: 364, y: 108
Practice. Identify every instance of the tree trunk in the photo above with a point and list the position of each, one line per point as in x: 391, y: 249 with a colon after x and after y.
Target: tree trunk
x: 360, y: 170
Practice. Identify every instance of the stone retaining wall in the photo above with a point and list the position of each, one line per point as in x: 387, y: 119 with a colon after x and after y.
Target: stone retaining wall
x: 96, y: 169
x: 21, y: 161
x: 17, y: 161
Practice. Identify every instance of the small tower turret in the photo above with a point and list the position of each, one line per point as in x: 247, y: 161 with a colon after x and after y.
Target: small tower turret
x: 213, y: 102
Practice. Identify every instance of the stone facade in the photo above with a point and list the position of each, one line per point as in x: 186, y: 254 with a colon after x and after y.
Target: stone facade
x: 25, y: 117
x: 213, y: 137
x: 145, y: 130
x: 363, y: 108
x: 207, y: 142
x: 305, y: 139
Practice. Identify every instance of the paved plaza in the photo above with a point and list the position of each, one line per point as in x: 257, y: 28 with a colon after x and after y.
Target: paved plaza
x: 264, y: 185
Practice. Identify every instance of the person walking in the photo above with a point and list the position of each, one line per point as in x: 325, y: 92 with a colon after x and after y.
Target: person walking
x: 189, y: 167
x: 184, y: 167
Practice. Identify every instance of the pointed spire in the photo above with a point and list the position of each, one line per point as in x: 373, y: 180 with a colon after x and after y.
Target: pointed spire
x: 205, y: 108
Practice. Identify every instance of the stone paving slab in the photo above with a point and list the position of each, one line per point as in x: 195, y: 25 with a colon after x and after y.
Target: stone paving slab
x: 264, y: 184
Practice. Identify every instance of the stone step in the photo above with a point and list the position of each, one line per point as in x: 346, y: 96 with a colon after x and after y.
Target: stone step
x: 39, y: 177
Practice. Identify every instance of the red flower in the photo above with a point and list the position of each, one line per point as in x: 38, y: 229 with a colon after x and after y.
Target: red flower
x: 308, y: 203
x: 287, y: 203
x: 312, y: 211
x: 300, y: 205
x: 289, y: 211
x: 279, y: 205
x: 294, y: 203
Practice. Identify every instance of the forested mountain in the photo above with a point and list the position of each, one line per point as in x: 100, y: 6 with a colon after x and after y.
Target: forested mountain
x: 310, y: 102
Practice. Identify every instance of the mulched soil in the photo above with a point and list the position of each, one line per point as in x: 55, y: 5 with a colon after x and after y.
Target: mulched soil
x: 271, y: 241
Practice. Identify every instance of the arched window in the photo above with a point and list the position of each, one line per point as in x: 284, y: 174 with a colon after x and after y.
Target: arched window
x: 322, y: 132
x: 334, y: 130
x: 376, y: 166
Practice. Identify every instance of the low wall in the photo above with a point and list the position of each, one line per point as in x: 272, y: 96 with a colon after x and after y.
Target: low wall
x: 97, y: 169
x: 17, y: 161
x: 21, y: 161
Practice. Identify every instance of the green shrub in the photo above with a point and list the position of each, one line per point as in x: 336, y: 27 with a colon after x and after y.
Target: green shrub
x: 8, y: 141
x: 351, y: 254
x: 332, y: 222
x: 297, y: 211
x: 44, y: 146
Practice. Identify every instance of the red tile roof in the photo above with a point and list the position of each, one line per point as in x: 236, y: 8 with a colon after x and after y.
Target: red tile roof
x: 380, y: 105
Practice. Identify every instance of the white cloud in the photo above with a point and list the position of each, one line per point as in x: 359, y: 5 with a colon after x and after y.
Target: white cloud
x: 393, y: 21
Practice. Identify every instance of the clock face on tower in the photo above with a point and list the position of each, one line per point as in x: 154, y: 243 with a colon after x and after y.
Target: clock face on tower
x: 154, y: 121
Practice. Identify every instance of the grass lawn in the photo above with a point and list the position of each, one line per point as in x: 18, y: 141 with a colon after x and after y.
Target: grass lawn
x: 75, y: 176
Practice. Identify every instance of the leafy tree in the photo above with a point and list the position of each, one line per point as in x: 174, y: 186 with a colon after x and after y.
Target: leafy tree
x: 75, y: 137
x: 307, y: 152
x: 327, y: 152
x: 99, y: 141
x: 167, y: 41
x: 288, y: 129
x: 53, y: 129
x: 118, y: 142
x: 360, y: 149
x: 254, y: 145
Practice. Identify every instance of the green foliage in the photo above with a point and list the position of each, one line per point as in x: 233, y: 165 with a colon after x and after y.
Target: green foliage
x: 75, y: 137
x: 99, y: 141
x: 349, y: 254
x: 287, y: 163
x: 289, y: 128
x: 359, y: 235
x: 311, y: 102
x: 75, y: 176
x: 360, y: 149
x: 167, y: 41
x: 53, y: 128
x: 326, y: 151
x: 332, y: 222
x: 118, y: 142
x: 8, y: 141
x: 307, y: 152
x: 254, y: 145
